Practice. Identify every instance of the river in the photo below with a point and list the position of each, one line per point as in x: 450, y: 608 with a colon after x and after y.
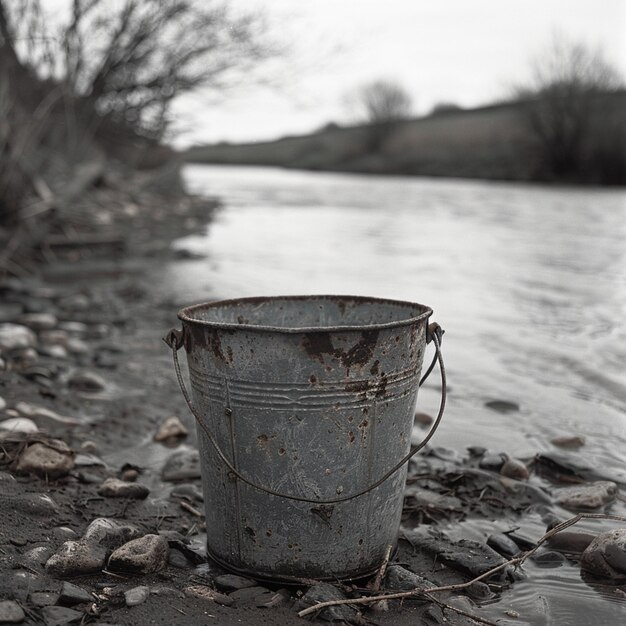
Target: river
x: 528, y: 281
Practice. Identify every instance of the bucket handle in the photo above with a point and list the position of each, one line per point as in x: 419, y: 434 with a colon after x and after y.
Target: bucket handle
x: 175, y: 339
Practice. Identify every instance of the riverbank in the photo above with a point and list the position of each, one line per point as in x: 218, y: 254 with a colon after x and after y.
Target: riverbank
x: 494, y: 142
x: 89, y: 385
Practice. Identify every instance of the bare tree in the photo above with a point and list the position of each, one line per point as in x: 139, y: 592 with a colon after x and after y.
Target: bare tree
x: 565, y: 106
x: 384, y: 101
x: 128, y: 60
x: 381, y: 104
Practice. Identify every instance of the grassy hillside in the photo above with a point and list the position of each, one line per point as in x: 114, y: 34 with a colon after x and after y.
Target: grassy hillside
x: 492, y: 142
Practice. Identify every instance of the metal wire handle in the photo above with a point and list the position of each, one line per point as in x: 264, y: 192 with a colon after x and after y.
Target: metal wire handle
x: 174, y: 339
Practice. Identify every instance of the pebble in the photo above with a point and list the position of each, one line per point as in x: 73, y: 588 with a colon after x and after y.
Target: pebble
x: 54, y: 337
x: 183, y: 465
x: 171, y: 429
x: 54, y: 352
x: 568, y: 441
x: 24, y: 359
x: 74, y: 328
x: 110, y: 533
x: 36, y: 557
x: 89, y: 447
x: 206, y: 593
x: 398, y: 578
x: 76, y: 346
x: 189, y: 492
x: 423, y: 419
x: 588, y: 496
x: 32, y: 504
x: 75, y: 302
x: 177, y: 559
x: 513, y: 468
x: 38, y: 321
x: 233, y: 582
x: 19, y: 425
x: 43, y: 598
x: 41, y: 413
x: 76, y: 558
x: 606, y: 555
x: 480, y: 591
x: 84, y: 380
x: 45, y: 461
x: 250, y: 595
x: 16, y: 337
x: 549, y: 558
x: 11, y: 612
x: 59, y: 615
x: 130, y: 475
x: 3, y: 403
x: 570, y: 542
x: 145, y: 555
x: 136, y: 595
x: 493, y: 462
x: 73, y: 594
x: 503, y: 545
x: 116, y: 488
x: 502, y: 406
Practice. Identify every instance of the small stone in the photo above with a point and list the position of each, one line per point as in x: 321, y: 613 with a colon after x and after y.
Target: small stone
x: 63, y: 533
x: 513, y: 468
x: 250, y: 595
x: 502, y: 406
x: 75, y: 558
x: 568, y: 441
x: 86, y: 381
x: 89, y: 447
x: 183, y: 465
x: 423, y: 419
x: 206, y: 593
x: 76, y: 329
x: 32, y: 504
x: 398, y: 578
x: 130, y: 475
x: 38, y: 321
x: 59, y: 615
x: 3, y: 403
x: 136, y: 595
x: 75, y: 302
x: 178, y: 559
x: 503, y: 545
x: 18, y: 540
x: 549, y: 558
x: 54, y: 337
x: 171, y: 429
x: 76, y: 346
x: 11, y: 612
x: 588, y: 496
x: 232, y: 582
x: 110, y: 533
x: 116, y: 488
x: 24, y: 359
x: 493, y: 462
x: 322, y: 592
x: 145, y: 555
x: 512, y: 613
x: 188, y: 492
x: 480, y: 591
x: 16, y: 337
x: 36, y: 557
x: 54, y: 352
x: 19, y: 425
x: 606, y: 555
x: 43, y: 598
x: 42, y: 414
x: 73, y: 594
x: 570, y: 542
x: 45, y: 461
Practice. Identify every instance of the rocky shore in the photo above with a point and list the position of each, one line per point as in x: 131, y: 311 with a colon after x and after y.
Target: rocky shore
x: 101, y: 505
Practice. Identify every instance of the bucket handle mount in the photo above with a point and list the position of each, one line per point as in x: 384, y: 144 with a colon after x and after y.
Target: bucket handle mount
x: 175, y: 340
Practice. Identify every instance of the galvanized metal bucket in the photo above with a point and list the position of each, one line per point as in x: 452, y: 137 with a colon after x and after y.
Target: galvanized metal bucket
x: 304, y: 407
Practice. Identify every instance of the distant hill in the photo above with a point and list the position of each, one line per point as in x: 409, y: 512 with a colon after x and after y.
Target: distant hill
x: 491, y: 142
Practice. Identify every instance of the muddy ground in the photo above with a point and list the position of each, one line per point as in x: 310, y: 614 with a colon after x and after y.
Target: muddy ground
x: 105, y: 390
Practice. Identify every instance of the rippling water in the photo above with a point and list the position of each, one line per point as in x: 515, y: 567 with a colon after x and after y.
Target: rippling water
x: 528, y: 281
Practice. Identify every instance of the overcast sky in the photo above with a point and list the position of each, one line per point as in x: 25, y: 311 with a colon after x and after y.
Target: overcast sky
x: 465, y: 51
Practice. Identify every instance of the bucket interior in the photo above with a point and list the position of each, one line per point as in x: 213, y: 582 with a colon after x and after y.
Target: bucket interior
x: 295, y: 313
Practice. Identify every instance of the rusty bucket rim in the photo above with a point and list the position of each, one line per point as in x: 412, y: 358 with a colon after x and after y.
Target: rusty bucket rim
x: 185, y: 314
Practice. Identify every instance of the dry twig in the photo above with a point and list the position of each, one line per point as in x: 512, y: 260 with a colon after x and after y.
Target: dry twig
x: 426, y: 592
